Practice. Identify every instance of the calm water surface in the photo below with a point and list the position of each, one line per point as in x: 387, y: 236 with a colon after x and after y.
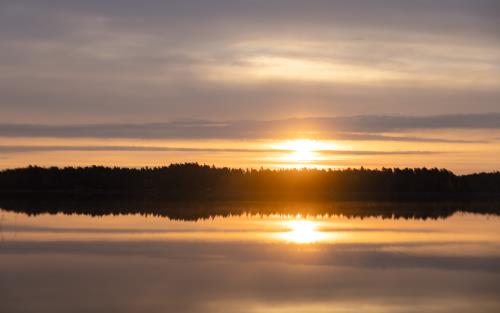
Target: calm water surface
x: 248, y: 263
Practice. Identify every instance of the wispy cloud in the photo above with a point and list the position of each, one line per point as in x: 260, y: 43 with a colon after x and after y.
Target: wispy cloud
x: 26, y: 149
x: 349, y: 128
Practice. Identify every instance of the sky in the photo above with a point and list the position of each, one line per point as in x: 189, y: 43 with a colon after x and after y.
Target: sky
x: 251, y: 83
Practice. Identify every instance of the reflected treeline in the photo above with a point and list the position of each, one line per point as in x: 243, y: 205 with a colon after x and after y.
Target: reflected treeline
x: 194, y: 181
x: 192, y: 211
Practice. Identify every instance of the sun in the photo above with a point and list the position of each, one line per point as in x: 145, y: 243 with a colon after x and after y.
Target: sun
x: 302, y: 150
x: 302, y: 232
x: 304, y: 153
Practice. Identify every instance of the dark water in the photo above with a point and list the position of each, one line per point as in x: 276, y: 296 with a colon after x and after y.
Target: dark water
x: 249, y: 263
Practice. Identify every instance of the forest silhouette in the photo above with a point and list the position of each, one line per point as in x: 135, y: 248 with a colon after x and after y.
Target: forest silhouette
x: 192, y: 181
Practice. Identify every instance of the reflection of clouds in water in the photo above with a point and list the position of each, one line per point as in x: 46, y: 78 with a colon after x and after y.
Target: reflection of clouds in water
x: 352, y: 255
x: 388, y: 266
x: 29, y: 228
x: 196, y: 277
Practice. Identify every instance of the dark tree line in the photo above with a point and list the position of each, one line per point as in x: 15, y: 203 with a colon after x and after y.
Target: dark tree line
x: 194, y: 181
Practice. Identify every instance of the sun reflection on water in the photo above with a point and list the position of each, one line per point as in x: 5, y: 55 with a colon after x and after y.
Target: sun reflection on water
x: 302, y: 232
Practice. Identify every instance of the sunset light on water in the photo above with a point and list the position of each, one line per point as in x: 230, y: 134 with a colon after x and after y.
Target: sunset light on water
x: 303, y: 232
x: 250, y: 156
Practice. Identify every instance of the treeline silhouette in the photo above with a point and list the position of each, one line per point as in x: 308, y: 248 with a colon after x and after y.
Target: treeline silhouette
x: 195, y: 181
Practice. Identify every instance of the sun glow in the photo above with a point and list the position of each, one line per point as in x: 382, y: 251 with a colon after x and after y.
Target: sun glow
x: 303, y: 150
x: 302, y: 232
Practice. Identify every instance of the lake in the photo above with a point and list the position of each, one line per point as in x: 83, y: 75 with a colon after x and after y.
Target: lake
x: 249, y: 262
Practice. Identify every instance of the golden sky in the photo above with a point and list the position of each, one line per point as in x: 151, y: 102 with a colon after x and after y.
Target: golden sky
x: 282, y: 83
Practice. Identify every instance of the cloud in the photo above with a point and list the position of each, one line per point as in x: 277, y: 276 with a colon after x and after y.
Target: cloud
x: 350, y: 128
x: 39, y: 148
x: 110, y: 61
x: 447, y: 17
